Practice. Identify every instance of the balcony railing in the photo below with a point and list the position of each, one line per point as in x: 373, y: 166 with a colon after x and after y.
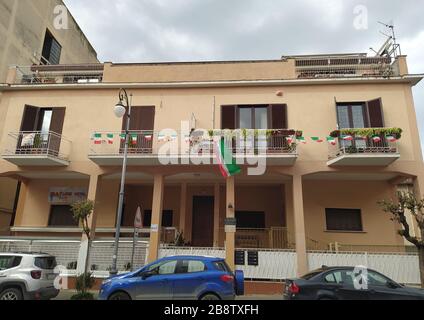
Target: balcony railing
x: 269, y: 238
x: 50, y: 74
x: 376, y: 67
x: 37, y: 144
x: 148, y: 143
x: 360, y: 145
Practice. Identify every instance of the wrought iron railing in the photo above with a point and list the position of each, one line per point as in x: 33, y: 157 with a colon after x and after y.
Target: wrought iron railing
x: 112, y: 143
x: 363, y: 145
x: 37, y: 143
x: 57, y: 75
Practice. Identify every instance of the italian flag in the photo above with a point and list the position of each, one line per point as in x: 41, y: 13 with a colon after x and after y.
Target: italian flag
x: 332, y: 141
x: 97, y: 138
x: 376, y: 139
x: 110, y: 138
x: 347, y: 138
x: 391, y: 138
x: 290, y: 140
x: 133, y: 139
x: 302, y: 140
x: 223, y: 154
x: 149, y: 137
x: 317, y: 139
x: 122, y: 137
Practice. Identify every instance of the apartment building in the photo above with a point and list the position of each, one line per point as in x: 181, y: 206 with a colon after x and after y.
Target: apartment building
x: 339, y: 132
x: 34, y: 33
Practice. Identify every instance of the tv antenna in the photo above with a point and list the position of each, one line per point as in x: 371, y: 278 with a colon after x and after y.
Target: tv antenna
x: 390, y: 47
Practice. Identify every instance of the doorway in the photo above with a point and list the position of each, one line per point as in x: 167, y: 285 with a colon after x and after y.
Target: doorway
x: 203, y: 221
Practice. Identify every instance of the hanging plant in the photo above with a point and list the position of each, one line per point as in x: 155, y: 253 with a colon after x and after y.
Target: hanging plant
x: 368, y: 132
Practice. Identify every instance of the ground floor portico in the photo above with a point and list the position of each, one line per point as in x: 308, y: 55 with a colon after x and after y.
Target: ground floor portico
x: 279, y: 212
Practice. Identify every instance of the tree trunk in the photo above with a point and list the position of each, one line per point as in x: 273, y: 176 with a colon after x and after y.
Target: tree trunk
x: 421, y: 259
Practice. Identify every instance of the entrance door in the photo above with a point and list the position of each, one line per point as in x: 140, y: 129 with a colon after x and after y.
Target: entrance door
x: 203, y: 210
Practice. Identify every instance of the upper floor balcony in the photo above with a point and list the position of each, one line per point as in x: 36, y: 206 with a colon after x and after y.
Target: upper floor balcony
x: 364, y: 147
x: 37, y: 149
x: 345, y: 67
x: 56, y: 74
x: 278, y: 147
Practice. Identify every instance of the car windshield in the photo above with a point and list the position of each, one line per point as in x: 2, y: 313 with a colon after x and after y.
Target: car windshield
x: 46, y: 263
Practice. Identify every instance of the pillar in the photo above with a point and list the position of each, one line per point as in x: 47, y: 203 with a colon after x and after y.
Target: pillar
x: 183, y: 209
x: 230, y: 234
x: 216, y: 207
x: 85, y: 246
x: 156, y: 218
x: 299, y: 226
x: 21, y: 203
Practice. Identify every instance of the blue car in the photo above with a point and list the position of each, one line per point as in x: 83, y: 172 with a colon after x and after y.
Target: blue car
x: 177, y: 278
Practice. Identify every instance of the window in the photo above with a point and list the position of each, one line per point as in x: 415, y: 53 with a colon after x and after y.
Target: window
x: 191, y: 266
x: 9, y: 262
x: 46, y: 263
x: 334, y: 277
x: 167, y: 218
x: 352, y: 116
x: 376, y: 279
x: 250, y: 220
x: 61, y: 216
x: 222, y: 266
x: 167, y: 268
x: 344, y: 220
x: 253, y: 117
x: 51, y: 50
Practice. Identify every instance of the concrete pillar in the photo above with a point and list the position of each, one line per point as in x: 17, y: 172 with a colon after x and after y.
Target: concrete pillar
x: 21, y: 204
x: 85, y: 246
x: 230, y: 235
x: 299, y: 225
x: 183, y: 209
x: 288, y: 196
x: 156, y: 218
x: 217, y: 202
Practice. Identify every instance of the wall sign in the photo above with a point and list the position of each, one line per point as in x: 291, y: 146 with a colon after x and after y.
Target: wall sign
x: 253, y: 258
x: 240, y: 258
x: 67, y: 195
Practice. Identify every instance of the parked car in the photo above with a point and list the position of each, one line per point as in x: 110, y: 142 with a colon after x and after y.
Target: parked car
x: 177, y: 278
x: 338, y: 283
x: 27, y: 276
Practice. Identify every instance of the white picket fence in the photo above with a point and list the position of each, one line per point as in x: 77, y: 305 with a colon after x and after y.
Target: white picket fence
x: 273, y: 264
x: 276, y: 265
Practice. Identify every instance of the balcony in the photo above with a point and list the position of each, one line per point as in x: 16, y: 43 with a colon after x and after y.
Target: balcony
x: 351, y: 148
x: 156, y: 148
x: 59, y: 74
x: 344, y: 67
x: 37, y: 149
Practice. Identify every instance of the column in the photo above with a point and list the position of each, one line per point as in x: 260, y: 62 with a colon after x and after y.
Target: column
x: 21, y: 203
x: 230, y: 232
x: 288, y: 198
x: 183, y: 209
x: 85, y: 246
x: 156, y: 218
x: 216, y: 207
x: 299, y: 226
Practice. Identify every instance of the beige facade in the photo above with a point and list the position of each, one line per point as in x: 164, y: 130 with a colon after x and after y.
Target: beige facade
x: 293, y: 195
x: 23, y: 26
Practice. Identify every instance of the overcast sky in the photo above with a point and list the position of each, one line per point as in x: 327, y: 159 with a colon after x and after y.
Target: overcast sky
x: 186, y: 30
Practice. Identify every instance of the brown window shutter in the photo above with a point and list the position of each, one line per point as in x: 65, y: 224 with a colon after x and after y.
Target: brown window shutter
x: 375, y: 113
x: 29, y: 118
x: 228, y: 117
x: 142, y: 119
x: 279, y: 116
x: 58, y: 118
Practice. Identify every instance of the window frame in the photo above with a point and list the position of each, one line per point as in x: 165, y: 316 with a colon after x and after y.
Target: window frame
x: 350, y: 106
x: 352, y: 230
x: 179, y: 265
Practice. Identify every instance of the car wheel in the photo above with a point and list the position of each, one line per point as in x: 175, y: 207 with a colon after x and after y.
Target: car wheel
x: 11, y: 294
x: 209, y: 296
x: 120, y: 296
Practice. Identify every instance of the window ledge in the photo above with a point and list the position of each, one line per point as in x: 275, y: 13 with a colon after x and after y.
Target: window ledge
x: 341, y: 231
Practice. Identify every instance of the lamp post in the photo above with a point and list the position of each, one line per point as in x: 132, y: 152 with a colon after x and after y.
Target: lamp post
x: 120, y: 111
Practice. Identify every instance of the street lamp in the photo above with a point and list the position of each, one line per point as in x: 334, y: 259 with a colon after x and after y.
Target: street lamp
x: 120, y: 111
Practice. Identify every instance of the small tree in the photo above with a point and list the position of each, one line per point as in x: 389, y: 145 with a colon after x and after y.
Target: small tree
x: 82, y: 211
x: 407, y: 201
